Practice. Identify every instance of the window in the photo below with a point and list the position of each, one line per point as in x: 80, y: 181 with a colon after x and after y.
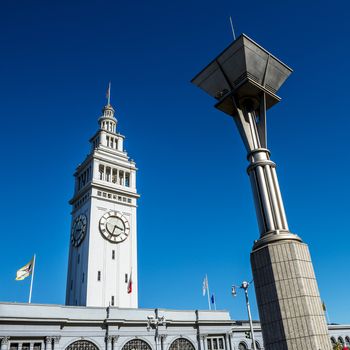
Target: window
x: 114, y: 175
x: 129, y: 200
x: 25, y: 346
x: 347, y: 339
x: 333, y: 340
x: 126, y: 278
x: 13, y: 346
x: 101, y: 170
x: 127, y: 179
x: 37, y: 346
x: 136, y: 344
x: 242, y: 346
x: 112, y: 300
x: 258, y: 347
x: 82, y: 345
x: 121, y: 178
x: 215, y: 343
x: 108, y: 174
x: 341, y: 340
x: 98, y: 275
x: 181, y: 344
x: 113, y: 254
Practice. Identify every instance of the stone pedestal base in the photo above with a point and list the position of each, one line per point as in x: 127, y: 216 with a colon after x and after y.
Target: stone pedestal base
x: 290, y: 307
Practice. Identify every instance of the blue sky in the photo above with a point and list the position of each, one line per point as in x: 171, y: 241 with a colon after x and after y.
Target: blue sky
x: 196, y: 213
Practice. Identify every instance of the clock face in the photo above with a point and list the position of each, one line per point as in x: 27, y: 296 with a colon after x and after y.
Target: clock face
x: 114, y: 227
x: 78, y: 230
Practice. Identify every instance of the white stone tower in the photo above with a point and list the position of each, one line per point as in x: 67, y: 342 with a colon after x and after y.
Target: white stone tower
x: 102, y: 267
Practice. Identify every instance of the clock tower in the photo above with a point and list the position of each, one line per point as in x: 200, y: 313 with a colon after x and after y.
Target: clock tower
x: 102, y: 267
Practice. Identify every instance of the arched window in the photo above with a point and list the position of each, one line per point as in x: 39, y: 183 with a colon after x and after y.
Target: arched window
x: 181, y: 344
x: 257, y: 345
x: 347, y: 339
x: 136, y: 344
x: 333, y: 340
x: 82, y: 345
x: 341, y: 340
x: 242, y: 346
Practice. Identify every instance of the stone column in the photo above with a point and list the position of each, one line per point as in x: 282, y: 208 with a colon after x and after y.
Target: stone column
x: 109, y: 339
x: 230, y: 335
x: 56, y: 342
x: 5, y: 343
x: 115, y: 340
x: 285, y: 282
x: 162, y: 338
x: 204, y: 340
x: 48, y: 341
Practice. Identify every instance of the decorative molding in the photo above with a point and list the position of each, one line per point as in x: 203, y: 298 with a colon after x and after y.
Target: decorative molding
x: 48, y: 340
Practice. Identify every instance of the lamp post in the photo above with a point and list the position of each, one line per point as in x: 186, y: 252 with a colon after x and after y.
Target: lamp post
x: 245, y: 286
x: 244, y: 79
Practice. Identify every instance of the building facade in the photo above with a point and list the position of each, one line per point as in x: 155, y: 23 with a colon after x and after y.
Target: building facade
x: 56, y: 327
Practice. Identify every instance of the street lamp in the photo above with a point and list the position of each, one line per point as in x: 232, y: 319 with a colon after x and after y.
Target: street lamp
x: 245, y: 286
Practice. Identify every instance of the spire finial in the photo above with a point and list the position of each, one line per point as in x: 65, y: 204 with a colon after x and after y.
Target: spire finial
x: 108, y: 94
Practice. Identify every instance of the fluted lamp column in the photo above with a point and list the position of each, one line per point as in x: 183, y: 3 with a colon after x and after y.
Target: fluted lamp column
x: 244, y: 79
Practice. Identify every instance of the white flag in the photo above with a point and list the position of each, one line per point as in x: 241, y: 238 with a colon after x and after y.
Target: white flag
x: 205, y: 284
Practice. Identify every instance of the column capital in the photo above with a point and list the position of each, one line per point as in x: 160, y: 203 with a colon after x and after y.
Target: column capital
x: 48, y: 340
x: 203, y: 336
x: 5, y: 340
x: 56, y: 339
x: 162, y: 336
x: 115, y: 338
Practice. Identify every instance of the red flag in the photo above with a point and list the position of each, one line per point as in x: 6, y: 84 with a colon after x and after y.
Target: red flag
x: 130, y: 283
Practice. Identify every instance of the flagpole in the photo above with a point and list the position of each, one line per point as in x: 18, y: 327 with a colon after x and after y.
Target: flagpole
x: 109, y: 93
x: 31, y: 281
x: 208, y: 292
x: 233, y: 31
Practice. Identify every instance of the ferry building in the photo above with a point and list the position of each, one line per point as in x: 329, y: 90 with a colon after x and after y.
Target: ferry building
x: 101, y: 311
